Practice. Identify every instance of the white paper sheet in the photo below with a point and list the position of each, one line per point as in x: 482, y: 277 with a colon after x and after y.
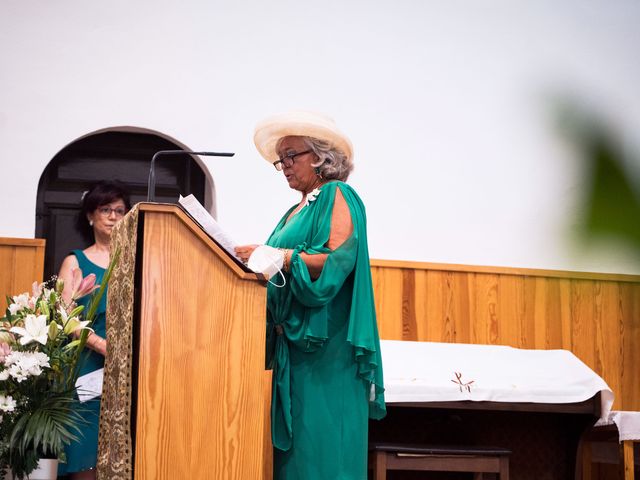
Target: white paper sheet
x: 208, y: 223
x: 90, y: 385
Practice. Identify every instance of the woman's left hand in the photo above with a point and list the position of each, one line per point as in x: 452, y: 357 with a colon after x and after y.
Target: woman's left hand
x: 244, y: 252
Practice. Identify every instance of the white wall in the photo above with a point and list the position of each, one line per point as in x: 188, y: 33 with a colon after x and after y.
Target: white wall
x: 448, y: 104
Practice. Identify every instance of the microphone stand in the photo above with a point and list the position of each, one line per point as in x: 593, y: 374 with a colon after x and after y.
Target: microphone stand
x: 151, y: 187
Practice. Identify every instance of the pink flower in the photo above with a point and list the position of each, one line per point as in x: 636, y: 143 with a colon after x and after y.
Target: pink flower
x: 81, y: 287
x: 36, y: 289
x: 5, y: 350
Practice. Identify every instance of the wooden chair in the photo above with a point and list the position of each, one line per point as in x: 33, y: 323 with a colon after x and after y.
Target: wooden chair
x: 438, y: 458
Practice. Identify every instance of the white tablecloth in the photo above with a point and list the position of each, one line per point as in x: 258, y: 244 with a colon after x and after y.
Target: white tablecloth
x: 445, y: 372
x: 628, y: 424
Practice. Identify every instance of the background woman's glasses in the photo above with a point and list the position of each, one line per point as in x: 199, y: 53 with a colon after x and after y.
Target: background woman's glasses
x: 106, y: 211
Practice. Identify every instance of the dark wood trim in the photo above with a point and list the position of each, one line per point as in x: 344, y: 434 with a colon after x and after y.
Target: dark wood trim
x: 591, y: 406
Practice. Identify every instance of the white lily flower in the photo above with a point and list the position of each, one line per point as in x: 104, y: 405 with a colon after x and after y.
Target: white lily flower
x: 74, y: 325
x: 71, y: 324
x: 19, y: 302
x: 35, y: 328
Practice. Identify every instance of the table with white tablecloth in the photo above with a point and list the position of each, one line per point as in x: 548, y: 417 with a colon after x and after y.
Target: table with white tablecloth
x: 421, y: 372
x: 535, y: 402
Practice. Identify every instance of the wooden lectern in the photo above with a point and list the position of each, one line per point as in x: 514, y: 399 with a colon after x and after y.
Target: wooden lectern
x: 184, y: 375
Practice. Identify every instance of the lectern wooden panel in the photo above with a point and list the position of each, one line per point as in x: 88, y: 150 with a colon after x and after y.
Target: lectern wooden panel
x: 21, y: 264
x: 197, y: 401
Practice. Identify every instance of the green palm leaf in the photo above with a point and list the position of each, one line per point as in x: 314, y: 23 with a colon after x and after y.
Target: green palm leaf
x: 48, y: 427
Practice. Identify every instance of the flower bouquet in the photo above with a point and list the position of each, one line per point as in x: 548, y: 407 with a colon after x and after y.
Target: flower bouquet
x: 42, y: 338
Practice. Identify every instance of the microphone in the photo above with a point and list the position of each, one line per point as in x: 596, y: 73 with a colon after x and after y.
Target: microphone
x: 151, y: 187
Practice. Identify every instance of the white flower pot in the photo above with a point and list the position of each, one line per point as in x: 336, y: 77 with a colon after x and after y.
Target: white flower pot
x: 47, y: 470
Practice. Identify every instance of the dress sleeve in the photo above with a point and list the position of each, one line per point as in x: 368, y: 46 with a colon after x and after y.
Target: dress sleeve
x: 338, y: 265
x: 363, y: 327
x: 351, y: 258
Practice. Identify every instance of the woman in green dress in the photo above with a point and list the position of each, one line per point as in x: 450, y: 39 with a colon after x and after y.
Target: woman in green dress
x: 102, y: 206
x: 322, y: 335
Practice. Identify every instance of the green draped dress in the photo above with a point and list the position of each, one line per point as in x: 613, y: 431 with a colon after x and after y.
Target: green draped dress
x: 323, y: 346
x: 82, y: 454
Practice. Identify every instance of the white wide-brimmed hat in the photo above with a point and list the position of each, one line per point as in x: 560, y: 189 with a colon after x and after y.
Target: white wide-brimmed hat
x: 299, y: 124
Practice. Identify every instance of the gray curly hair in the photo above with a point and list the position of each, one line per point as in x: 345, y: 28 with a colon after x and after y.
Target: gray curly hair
x: 333, y: 164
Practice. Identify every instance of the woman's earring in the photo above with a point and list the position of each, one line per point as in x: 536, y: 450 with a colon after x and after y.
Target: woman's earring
x: 318, y: 172
x: 91, y: 223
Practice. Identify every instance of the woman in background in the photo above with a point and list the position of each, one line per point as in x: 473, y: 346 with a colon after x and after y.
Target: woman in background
x: 102, y: 207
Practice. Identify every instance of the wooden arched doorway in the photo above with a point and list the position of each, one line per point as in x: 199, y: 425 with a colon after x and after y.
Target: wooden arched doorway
x: 107, y: 155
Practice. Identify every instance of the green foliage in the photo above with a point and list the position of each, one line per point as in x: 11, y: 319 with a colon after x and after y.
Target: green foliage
x: 613, y: 206
x: 48, y: 426
x: 612, y: 200
x: 43, y: 431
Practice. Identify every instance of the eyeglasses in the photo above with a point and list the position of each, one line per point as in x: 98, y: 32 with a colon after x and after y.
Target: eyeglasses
x: 106, y: 211
x: 287, y: 160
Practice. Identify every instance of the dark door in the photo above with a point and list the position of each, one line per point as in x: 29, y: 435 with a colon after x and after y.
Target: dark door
x: 122, y: 156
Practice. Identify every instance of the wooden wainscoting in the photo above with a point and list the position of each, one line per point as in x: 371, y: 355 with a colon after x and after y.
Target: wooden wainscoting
x: 21, y: 264
x: 596, y: 316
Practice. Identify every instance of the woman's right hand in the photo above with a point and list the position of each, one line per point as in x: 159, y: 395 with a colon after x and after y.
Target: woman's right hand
x: 243, y: 252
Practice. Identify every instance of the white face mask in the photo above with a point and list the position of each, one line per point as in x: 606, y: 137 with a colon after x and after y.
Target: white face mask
x: 268, y: 261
